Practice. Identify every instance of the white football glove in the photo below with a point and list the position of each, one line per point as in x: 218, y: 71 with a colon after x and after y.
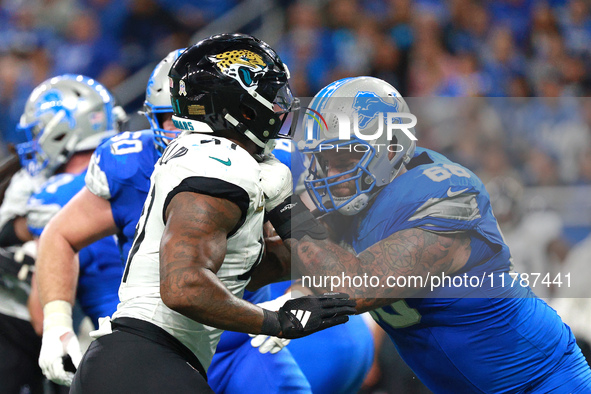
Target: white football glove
x: 275, y: 181
x: 21, y: 187
x: 58, y: 341
x: 266, y: 343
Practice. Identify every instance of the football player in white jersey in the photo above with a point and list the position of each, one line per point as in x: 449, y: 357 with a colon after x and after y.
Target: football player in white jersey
x: 201, y: 232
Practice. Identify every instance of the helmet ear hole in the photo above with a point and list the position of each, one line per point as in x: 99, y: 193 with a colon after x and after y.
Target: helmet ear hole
x: 59, y: 137
x: 391, y: 154
x: 248, y: 112
x: 394, y: 140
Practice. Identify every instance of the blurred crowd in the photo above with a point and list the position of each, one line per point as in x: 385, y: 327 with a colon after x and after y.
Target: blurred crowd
x: 444, y: 48
x: 465, y: 48
x: 104, y: 39
x: 452, y: 48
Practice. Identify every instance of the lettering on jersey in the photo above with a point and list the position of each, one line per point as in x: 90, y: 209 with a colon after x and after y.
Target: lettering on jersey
x: 183, y: 125
x: 173, y: 152
x: 401, y: 315
x: 125, y: 143
x: 54, y: 183
x: 139, y: 238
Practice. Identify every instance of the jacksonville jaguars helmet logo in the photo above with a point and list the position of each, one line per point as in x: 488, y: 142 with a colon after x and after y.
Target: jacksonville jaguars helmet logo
x: 242, y: 65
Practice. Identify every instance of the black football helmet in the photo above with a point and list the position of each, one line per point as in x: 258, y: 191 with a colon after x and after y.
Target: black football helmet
x: 232, y: 82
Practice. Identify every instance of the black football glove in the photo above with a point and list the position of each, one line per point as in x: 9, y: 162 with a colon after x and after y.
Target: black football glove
x: 306, y: 315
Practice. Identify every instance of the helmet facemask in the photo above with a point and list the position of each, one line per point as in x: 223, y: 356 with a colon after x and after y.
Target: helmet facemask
x: 158, y: 103
x: 30, y: 153
x: 323, y: 187
x: 162, y: 136
x: 368, y: 105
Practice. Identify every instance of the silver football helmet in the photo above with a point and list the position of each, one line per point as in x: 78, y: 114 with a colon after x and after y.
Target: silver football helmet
x: 366, y: 102
x: 64, y: 115
x: 158, y: 100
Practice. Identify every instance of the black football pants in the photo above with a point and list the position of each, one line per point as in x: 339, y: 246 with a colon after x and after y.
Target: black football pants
x: 139, y: 357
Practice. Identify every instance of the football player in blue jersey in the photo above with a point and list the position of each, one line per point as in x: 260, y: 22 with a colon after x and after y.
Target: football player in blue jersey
x: 409, y: 214
x: 335, y: 360
x: 65, y: 119
x: 117, y: 183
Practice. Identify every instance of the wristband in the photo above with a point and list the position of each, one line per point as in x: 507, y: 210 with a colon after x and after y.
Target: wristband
x: 271, y: 325
x: 292, y: 219
x: 57, y: 313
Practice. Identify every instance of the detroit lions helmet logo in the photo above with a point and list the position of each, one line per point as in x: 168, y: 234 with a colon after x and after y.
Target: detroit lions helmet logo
x: 369, y: 105
x: 150, y: 87
x: 53, y: 102
x: 242, y: 65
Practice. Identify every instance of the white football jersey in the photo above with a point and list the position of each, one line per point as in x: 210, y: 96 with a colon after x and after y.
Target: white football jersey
x: 202, y: 164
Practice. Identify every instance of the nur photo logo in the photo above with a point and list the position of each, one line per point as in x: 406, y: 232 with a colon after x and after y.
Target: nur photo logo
x: 367, y: 107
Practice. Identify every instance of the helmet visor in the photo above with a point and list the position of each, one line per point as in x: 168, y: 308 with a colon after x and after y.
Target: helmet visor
x: 286, y: 107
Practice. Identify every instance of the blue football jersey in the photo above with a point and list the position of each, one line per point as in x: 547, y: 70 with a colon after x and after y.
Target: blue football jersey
x: 477, y: 339
x: 120, y: 171
x: 100, y: 263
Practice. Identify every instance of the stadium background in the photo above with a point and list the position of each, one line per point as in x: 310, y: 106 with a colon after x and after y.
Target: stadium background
x: 499, y: 86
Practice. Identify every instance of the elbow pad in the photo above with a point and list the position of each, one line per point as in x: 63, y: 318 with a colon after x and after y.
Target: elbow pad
x: 292, y: 219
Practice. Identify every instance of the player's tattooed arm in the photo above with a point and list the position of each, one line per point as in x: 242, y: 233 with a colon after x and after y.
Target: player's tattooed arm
x: 411, y: 252
x: 276, y: 263
x: 192, y: 250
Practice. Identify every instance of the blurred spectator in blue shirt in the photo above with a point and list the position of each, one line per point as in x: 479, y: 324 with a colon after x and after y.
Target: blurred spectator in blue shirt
x: 86, y: 51
x: 576, y: 26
